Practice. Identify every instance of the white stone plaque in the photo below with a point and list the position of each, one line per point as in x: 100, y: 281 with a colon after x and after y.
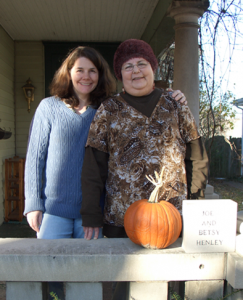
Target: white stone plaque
x: 209, y: 225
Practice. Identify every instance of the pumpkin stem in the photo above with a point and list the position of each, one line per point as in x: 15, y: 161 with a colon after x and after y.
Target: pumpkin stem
x: 158, y: 184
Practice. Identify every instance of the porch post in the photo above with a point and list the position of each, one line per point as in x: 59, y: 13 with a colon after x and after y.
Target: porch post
x: 186, y: 14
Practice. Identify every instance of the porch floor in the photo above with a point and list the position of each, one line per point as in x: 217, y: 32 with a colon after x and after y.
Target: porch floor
x: 15, y: 229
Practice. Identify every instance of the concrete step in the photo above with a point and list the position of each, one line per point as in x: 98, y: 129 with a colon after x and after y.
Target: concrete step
x: 209, y: 189
x: 209, y: 192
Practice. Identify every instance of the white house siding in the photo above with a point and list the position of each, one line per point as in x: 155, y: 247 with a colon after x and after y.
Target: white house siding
x: 29, y: 63
x: 7, y: 147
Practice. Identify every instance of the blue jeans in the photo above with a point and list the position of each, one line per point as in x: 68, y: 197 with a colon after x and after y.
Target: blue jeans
x: 54, y: 227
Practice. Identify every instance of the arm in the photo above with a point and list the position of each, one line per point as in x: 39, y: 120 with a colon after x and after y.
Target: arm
x: 94, y: 175
x: 35, y: 163
x: 196, y: 168
x: 196, y: 160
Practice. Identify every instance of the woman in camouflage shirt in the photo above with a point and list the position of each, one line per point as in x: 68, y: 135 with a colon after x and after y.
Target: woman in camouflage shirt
x: 134, y: 134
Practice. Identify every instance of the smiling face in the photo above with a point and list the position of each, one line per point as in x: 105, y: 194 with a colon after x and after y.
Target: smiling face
x: 137, y: 82
x: 84, y: 76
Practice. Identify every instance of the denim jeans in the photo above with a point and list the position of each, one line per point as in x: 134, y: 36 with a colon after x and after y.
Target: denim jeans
x: 54, y: 227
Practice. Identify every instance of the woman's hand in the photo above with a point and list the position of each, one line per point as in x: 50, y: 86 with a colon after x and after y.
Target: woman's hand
x: 88, y: 232
x: 178, y: 96
x: 34, y: 219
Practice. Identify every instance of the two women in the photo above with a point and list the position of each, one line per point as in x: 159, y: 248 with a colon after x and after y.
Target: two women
x: 56, y: 146
x: 57, y: 140
x: 134, y: 134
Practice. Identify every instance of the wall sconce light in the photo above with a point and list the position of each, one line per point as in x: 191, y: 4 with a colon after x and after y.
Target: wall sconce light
x: 29, y: 89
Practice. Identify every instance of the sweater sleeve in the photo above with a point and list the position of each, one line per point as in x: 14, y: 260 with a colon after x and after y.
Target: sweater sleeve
x: 94, y: 175
x: 196, y: 168
x: 35, y: 159
x: 196, y: 159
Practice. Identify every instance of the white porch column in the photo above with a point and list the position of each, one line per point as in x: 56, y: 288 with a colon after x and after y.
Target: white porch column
x: 186, y: 14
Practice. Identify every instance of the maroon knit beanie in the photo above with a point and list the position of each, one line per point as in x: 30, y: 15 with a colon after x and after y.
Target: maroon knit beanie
x: 131, y: 49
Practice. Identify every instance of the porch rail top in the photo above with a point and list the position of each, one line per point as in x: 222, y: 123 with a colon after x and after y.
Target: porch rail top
x: 79, y: 260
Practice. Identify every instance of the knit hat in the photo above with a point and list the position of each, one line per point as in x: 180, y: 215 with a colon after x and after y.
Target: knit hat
x: 133, y: 48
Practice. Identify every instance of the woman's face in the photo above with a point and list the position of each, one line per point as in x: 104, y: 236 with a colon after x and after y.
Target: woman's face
x: 84, y: 76
x: 139, y: 80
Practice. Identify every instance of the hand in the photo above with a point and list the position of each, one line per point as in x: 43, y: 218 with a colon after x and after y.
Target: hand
x: 34, y: 219
x: 88, y: 232
x: 178, y: 96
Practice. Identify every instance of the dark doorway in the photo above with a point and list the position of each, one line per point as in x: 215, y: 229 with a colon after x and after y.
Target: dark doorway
x: 56, y: 52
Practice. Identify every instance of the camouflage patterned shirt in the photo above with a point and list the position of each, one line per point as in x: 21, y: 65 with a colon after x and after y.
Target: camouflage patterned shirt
x: 139, y: 145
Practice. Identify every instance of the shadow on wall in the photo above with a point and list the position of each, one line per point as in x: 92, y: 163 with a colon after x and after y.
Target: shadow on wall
x: 4, y: 135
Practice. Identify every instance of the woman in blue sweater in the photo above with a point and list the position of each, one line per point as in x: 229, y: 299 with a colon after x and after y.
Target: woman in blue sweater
x: 57, y: 138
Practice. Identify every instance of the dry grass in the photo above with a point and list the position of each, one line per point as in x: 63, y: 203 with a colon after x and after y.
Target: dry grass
x: 227, y: 190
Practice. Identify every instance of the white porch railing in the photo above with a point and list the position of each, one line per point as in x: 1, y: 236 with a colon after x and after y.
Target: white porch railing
x: 84, y: 265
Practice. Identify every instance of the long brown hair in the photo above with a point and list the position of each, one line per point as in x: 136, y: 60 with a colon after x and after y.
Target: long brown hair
x: 62, y: 86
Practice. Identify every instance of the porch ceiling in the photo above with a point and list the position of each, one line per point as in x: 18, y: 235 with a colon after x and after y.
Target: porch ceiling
x: 72, y: 20
x: 83, y: 20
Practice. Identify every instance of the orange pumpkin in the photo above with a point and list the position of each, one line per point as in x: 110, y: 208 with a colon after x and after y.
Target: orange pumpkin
x: 153, y: 224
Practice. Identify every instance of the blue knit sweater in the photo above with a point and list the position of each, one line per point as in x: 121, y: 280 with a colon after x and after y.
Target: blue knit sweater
x: 54, y: 159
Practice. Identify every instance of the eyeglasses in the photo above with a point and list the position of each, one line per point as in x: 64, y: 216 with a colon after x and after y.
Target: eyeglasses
x: 130, y: 67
